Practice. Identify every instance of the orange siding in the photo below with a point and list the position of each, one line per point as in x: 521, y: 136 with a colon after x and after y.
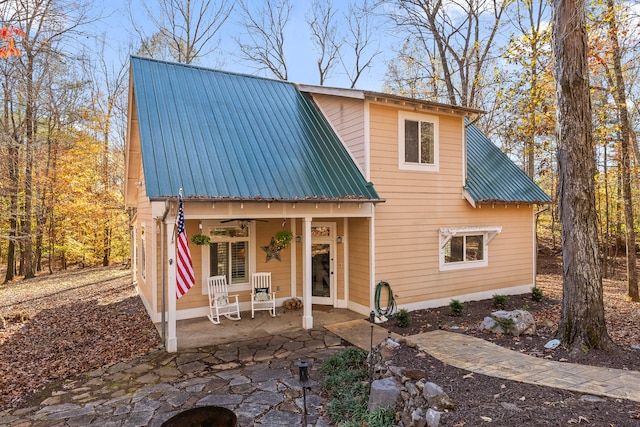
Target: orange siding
x: 418, y: 204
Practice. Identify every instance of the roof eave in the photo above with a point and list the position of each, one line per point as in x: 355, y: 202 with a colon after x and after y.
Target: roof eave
x: 349, y: 199
x: 512, y: 202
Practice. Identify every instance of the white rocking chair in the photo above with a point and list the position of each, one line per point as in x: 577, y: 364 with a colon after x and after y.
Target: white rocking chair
x: 261, y: 296
x: 220, y: 302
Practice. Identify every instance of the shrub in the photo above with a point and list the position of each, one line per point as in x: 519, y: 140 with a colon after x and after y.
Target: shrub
x: 456, y: 307
x: 402, y: 317
x: 500, y: 301
x: 536, y: 293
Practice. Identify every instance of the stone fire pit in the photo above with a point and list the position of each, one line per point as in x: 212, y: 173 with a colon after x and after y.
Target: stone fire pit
x: 203, y: 416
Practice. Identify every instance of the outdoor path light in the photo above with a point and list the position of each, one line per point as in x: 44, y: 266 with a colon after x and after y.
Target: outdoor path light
x: 303, y: 366
x: 372, y: 320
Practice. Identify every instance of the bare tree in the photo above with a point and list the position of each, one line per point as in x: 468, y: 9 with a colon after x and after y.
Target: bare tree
x: 455, y: 31
x: 410, y: 74
x: 185, y: 30
x: 582, y: 322
x: 263, y: 40
x: 359, y: 38
x: 325, y: 37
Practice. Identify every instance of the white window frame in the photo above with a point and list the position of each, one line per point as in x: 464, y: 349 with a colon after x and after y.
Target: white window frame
x: 424, y: 167
x: 488, y: 233
x: 251, y: 257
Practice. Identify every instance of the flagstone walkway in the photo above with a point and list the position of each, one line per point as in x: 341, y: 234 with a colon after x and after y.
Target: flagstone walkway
x: 257, y: 378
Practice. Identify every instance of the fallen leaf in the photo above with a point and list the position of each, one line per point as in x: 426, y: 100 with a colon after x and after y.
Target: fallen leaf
x: 466, y: 377
x: 487, y: 419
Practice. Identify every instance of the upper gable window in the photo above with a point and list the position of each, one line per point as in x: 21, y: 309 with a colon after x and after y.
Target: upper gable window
x: 418, y: 141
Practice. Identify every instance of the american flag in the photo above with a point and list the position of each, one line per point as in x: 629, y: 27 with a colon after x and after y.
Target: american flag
x: 184, y: 269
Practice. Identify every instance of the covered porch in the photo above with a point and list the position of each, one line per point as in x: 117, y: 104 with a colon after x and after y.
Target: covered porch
x: 328, y: 264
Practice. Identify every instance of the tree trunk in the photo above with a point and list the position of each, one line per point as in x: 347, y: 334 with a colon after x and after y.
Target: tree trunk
x: 12, y: 163
x: 620, y: 97
x: 582, y: 323
x: 30, y: 123
x: 605, y: 265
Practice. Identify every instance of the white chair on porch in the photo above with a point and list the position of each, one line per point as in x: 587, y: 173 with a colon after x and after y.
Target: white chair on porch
x: 220, y: 302
x: 261, y: 296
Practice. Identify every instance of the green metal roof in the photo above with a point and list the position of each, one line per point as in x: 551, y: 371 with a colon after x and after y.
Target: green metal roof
x: 493, y: 178
x: 226, y: 136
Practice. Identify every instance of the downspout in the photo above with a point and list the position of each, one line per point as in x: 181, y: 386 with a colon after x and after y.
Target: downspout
x: 162, y: 256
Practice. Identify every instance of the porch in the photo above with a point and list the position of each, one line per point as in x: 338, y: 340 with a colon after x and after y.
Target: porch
x: 200, y: 332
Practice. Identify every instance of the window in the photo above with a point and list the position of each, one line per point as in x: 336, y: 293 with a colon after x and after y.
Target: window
x: 229, y: 253
x: 418, y: 141
x: 465, y: 247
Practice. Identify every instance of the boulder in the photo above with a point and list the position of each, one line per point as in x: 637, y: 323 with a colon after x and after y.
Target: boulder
x: 384, y: 393
x: 516, y: 322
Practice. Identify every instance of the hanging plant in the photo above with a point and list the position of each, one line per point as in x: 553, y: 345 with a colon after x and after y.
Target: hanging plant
x: 200, y: 239
x: 283, y: 238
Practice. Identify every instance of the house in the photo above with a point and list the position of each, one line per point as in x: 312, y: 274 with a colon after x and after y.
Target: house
x: 374, y: 187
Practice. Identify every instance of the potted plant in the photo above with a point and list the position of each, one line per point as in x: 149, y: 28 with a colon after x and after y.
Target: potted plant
x: 200, y: 239
x: 283, y: 238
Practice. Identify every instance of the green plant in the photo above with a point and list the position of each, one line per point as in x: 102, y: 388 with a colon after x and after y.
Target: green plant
x: 345, y: 380
x: 456, y: 307
x: 536, y: 294
x: 402, y: 317
x: 500, y: 301
x: 283, y: 238
x: 505, y: 323
x: 200, y: 239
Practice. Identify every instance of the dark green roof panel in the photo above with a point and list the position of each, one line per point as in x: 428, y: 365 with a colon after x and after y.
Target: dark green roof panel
x: 493, y: 178
x: 220, y: 135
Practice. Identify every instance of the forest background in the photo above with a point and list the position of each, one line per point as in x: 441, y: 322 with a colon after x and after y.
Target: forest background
x: 65, y: 92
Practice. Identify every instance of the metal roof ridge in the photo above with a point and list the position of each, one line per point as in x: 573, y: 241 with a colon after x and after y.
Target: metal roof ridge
x: 209, y: 69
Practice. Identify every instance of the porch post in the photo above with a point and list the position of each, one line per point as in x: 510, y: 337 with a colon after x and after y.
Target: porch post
x: 172, y: 340
x: 307, y: 317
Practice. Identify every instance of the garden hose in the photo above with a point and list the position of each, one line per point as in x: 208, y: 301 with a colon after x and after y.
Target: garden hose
x: 391, y: 303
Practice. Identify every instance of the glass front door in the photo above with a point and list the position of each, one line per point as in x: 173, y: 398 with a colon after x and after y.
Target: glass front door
x: 322, y: 265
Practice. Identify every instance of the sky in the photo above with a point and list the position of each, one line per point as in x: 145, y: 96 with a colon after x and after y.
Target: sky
x: 299, y: 50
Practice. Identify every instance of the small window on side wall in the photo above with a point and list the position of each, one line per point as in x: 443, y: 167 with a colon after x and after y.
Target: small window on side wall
x: 417, y: 142
x: 465, y: 247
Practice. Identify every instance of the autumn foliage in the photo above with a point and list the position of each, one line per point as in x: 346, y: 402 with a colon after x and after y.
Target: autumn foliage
x: 8, y: 48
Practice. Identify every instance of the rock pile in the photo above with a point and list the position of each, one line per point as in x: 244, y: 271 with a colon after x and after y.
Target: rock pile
x: 419, y: 403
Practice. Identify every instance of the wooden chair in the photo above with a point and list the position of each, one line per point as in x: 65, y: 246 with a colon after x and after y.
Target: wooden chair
x: 220, y: 302
x: 261, y: 296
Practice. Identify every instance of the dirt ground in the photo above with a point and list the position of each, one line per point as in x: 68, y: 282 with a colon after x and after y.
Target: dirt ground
x: 55, y: 326
x: 508, y: 403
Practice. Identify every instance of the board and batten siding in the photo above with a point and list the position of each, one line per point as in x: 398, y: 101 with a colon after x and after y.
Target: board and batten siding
x: 346, y: 116
x: 417, y: 204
